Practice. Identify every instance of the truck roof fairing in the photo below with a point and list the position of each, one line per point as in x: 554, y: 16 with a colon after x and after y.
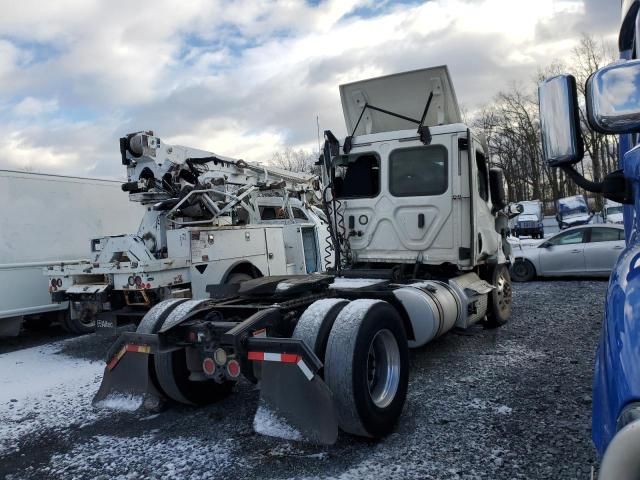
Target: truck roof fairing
x: 405, y: 94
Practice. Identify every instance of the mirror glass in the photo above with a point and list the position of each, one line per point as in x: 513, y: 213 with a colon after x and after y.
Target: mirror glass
x: 613, y: 98
x: 559, y: 121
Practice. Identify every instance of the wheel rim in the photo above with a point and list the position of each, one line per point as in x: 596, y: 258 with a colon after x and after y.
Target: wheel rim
x: 383, y: 368
x: 520, y: 269
x: 503, y: 292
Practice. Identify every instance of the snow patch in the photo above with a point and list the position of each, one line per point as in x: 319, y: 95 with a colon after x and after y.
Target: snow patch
x: 122, y: 402
x: 503, y: 410
x: 268, y: 423
x: 41, y: 389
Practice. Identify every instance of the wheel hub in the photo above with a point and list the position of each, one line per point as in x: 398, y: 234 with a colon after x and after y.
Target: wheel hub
x: 383, y: 368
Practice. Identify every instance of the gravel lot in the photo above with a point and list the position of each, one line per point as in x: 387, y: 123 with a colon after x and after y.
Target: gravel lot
x: 503, y: 404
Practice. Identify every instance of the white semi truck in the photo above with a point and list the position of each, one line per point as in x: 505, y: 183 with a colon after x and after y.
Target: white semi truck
x: 613, y: 212
x: 529, y: 222
x: 44, y: 220
x: 207, y: 221
x: 572, y: 211
x: 418, y: 223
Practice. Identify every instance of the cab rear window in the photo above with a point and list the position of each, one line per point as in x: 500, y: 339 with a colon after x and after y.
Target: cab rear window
x: 419, y: 171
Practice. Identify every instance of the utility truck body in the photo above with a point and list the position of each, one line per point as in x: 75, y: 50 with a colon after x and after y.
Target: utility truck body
x: 45, y: 220
x: 418, y: 223
x: 207, y: 220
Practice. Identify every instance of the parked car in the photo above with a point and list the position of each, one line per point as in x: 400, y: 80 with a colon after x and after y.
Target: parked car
x: 589, y: 250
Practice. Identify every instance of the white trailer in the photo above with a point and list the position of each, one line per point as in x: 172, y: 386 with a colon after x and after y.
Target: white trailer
x: 44, y: 220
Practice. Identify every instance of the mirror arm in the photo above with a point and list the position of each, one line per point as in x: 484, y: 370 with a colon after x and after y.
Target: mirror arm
x: 614, y: 186
x: 588, y: 185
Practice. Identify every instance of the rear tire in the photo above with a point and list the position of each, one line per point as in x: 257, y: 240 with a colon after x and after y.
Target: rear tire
x: 314, y: 325
x: 367, y: 367
x: 499, y: 311
x: 238, y: 278
x: 173, y: 376
x: 523, y: 271
x: 169, y: 370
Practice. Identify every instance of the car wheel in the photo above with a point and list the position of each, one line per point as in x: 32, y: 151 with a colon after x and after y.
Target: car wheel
x: 523, y: 271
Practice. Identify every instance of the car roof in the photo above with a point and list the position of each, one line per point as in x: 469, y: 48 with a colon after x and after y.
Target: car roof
x: 593, y: 225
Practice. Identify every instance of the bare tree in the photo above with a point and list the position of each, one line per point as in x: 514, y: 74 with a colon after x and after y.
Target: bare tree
x: 295, y: 160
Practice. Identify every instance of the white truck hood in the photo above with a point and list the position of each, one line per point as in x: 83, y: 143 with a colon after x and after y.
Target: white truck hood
x: 571, y: 219
x: 524, y: 217
x: 403, y: 93
x: 615, y: 218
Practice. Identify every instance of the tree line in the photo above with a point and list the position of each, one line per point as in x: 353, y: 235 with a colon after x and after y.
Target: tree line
x: 511, y: 125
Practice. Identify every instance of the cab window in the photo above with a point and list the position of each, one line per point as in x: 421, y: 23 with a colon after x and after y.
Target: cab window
x: 568, y: 238
x: 418, y: 171
x: 483, y: 176
x: 358, y: 176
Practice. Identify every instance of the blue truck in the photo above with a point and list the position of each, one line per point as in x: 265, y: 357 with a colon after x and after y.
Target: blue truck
x: 612, y: 99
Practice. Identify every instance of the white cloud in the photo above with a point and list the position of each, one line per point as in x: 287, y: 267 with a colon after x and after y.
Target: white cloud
x: 243, y: 77
x: 32, y: 107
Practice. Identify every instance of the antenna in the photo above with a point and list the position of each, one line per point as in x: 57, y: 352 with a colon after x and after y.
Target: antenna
x: 318, y: 126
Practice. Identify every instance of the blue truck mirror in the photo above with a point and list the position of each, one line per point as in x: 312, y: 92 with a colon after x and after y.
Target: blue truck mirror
x: 560, y: 122
x: 613, y: 103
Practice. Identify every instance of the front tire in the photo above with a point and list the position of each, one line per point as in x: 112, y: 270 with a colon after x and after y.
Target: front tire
x: 367, y: 367
x: 500, y: 298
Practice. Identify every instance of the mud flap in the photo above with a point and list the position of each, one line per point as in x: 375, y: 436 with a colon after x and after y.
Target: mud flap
x: 305, y: 405
x: 127, y: 383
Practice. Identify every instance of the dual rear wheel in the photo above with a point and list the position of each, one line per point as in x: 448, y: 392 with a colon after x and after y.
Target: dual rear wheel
x: 366, y: 362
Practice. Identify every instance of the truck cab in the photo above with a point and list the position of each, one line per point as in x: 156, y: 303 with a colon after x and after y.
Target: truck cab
x: 412, y: 201
x: 613, y: 212
x: 572, y: 211
x: 613, y: 108
x: 529, y: 222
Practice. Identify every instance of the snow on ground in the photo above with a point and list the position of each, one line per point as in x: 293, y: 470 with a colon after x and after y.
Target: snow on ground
x: 41, y: 389
x: 122, y: 402
x: 165, y: 458
x: 269, y: 423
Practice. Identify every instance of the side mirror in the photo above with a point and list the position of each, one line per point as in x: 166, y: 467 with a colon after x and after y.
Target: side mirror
x: 496, y: 185
x: 560, y: 121
x: 545, y: 245
x: 613, y: 106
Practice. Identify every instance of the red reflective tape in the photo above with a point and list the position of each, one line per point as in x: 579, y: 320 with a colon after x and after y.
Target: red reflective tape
x: 289, y: 358
x: 256, y: 356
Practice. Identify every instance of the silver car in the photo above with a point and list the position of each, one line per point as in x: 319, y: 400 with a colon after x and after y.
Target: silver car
x: 588, y: 250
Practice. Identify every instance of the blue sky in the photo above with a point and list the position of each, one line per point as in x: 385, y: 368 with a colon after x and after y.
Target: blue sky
x: 246, y: 78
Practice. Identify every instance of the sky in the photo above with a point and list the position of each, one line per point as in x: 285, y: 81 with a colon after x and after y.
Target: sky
x: 247, y: 78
